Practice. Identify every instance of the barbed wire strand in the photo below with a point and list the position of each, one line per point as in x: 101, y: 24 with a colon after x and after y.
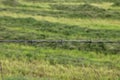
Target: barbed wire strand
x: 49, y: 41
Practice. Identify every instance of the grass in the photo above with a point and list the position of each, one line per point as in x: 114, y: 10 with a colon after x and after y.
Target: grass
x: 116, y: 3
x: 10, y: 2
x: 86, y: 1
x: 55, y: 19
x: 43, y: 61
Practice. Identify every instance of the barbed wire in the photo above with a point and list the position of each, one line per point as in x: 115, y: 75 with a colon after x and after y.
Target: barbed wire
x: 58, y: 41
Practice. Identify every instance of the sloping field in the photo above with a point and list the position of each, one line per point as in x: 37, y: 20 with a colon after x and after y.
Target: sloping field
x: 93, y: 22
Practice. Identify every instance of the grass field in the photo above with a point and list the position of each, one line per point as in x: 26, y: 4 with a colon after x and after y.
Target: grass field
x: 60, y: 20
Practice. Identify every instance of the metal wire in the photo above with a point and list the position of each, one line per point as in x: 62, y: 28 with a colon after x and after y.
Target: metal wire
x: 49, y: 41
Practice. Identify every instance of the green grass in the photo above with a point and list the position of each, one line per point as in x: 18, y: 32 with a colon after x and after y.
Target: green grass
x: 57, y: 1
x: 56, y: 20
x: 36, y: 61
x: 116, y: 3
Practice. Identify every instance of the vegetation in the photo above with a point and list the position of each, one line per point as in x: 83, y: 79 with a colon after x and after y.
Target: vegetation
x: 60, y: 20
x: 116, y: 3
x: 11, y: 2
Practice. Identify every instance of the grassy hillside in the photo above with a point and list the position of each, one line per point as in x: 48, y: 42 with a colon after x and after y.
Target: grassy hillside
x: 60, y: 20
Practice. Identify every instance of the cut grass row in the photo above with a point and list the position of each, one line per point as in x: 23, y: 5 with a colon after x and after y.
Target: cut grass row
x: 23, y: 27
x: 72, y: 11
x: 90, y: 23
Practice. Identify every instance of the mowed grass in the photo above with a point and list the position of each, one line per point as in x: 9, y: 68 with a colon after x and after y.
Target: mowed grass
x: 59, y: 20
